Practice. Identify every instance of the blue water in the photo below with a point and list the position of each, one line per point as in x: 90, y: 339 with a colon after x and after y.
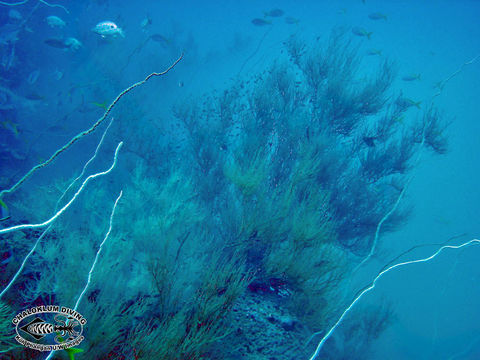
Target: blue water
x: 188, y: 212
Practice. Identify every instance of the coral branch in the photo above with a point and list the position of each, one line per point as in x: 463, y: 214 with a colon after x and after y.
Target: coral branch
x: 60, y: 212
x: 431, y: 136
x: 54, y: 5
x: 13, y: 4
x: 92, y: 268
x: 86, y: 132
x: 440, y: 85
x: 45, y: 232
x: 392, y: 210
x: 89, y: 278
x: 374, y: 283
x: 39, y: 1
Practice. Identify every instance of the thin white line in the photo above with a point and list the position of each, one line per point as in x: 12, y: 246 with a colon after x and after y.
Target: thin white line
x: 372, y: 286
x: 62, y: 210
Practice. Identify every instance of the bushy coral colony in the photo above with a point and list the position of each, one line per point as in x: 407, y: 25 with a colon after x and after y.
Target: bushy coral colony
x: 235, y: 244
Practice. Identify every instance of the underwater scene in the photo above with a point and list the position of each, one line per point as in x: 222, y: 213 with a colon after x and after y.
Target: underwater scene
x: 251, y: 180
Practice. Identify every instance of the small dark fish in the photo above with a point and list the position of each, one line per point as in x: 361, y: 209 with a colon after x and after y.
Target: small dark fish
x: 361, y: 32
x: 56, y: 43
x: 146, y: 22
x: 101, y: 105
x: 261, y: 22
x: 291, y: 20
x: 406, y: 103
x: 34, y: 96
x: 374, y: 52
x: 274, y: 13
x: 411, y: 77
x: 377, y: 16
x: 160, y: 39
x: 33, y: 77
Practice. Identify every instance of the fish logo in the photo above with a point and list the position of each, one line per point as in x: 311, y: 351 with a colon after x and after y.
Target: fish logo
x: 65, y: 331
x: 38, y: 328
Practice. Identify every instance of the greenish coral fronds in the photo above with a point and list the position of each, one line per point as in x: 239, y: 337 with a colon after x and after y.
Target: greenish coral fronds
x: 248, y: 173
x: 6, y: 328
x: 187, y: 331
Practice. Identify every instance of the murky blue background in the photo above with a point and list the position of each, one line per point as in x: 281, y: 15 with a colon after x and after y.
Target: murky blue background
x: 436, y: 303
